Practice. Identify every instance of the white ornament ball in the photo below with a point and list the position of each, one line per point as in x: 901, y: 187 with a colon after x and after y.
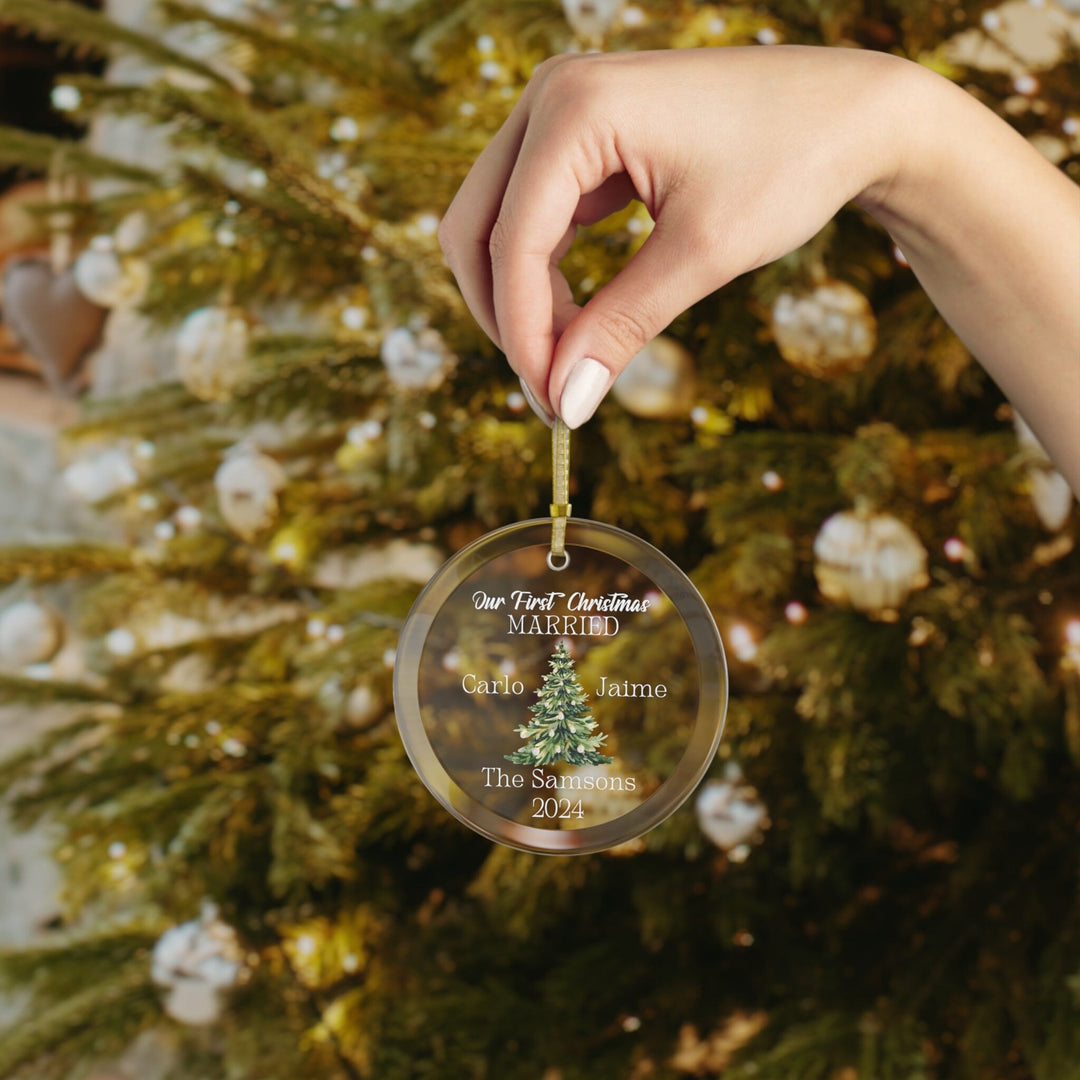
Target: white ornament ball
x: 658, y: 383
x: 1051, y: 496
x: 247, y: 485
x: 870, y: 562
x: 107, y: 279
x: 729, y: 813
x: 196, y: 962
x: 212, y: 350
x: 101, y: 476
x: 193, y: 1002
x: 1050, y: 492
x: 30, y: 633
x: 592, y: 18
x: 415, y: 361
x: 132, y: 232
x: 829, y: 331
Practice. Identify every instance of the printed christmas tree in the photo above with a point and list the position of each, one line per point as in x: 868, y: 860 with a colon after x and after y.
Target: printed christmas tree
x: 562, y: 725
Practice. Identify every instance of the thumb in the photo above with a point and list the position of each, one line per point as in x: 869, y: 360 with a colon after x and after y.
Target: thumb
x: 662, y: 280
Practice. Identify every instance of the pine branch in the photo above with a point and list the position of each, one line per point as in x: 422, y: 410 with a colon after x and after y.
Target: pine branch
x: 44, y: 563
x: 47, y: 691
x: 256, y: 136
x: 39, y: 152
x: 372, y: 65
x: 75, y: 1023
x: 89, y: 31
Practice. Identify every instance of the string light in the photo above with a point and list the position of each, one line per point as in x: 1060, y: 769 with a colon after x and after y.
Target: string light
x: 795, y: 613
x: 1026, y: 85
x: 344, y: 129
x: 188, y: 517
x: 66, y: 98
x: 772, y: 480
x: 364, y: 432
x: 742, y: 642
x: 428, y: 224
x: 354, y: 317
x: 120, y: 642
x: 955, y: 549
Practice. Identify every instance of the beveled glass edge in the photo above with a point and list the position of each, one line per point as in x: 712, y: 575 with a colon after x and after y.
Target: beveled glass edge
x: 712, y: 700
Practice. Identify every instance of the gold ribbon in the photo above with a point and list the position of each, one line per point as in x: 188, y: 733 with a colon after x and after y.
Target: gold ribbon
x: 557, y: 558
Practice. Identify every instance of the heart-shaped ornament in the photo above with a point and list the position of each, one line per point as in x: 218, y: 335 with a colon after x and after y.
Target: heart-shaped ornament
x: 52, y: 320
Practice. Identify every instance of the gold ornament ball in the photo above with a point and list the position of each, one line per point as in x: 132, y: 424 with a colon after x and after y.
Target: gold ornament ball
x: 658, y: 383
x: 212, y: 351
x: 30, y: 633
x: 828, y: 331
x: 871, y: 562
x: 247, y: 485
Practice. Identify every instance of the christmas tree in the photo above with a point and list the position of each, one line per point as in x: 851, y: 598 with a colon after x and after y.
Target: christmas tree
x: 562, y: 725
x: 880, y: 878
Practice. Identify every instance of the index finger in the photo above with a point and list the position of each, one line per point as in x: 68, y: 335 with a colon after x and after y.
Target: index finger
x: 551, y: 175
x: 465, y: 230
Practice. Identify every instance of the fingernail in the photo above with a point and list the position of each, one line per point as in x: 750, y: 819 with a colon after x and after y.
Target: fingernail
x: 583, y: 392
x: 535, y: 405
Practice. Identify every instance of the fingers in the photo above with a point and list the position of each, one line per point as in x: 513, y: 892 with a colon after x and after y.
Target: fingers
x: 660, y: 282
x: 465, y: 230
x: 466, y: 227
x: 537, y: 211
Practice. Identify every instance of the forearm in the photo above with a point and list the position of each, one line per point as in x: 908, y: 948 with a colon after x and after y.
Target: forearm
x: 992, y: 231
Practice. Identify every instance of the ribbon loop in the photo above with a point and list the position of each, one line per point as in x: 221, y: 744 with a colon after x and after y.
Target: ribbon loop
x: 558, y: 559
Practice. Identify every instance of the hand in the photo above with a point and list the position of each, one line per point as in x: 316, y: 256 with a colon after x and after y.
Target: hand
x: 740, y: 155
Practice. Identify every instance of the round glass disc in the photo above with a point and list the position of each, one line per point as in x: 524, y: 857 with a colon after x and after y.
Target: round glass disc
x: 560, y: 710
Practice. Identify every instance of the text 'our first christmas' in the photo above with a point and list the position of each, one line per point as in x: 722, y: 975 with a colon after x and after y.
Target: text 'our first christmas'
x: 523, y: 609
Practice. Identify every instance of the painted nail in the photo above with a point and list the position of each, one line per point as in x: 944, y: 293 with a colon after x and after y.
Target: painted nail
x: 535, y: 405
x: 583, y: 392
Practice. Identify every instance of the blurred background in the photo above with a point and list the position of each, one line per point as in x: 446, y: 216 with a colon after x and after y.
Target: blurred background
x: 245, y: 415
